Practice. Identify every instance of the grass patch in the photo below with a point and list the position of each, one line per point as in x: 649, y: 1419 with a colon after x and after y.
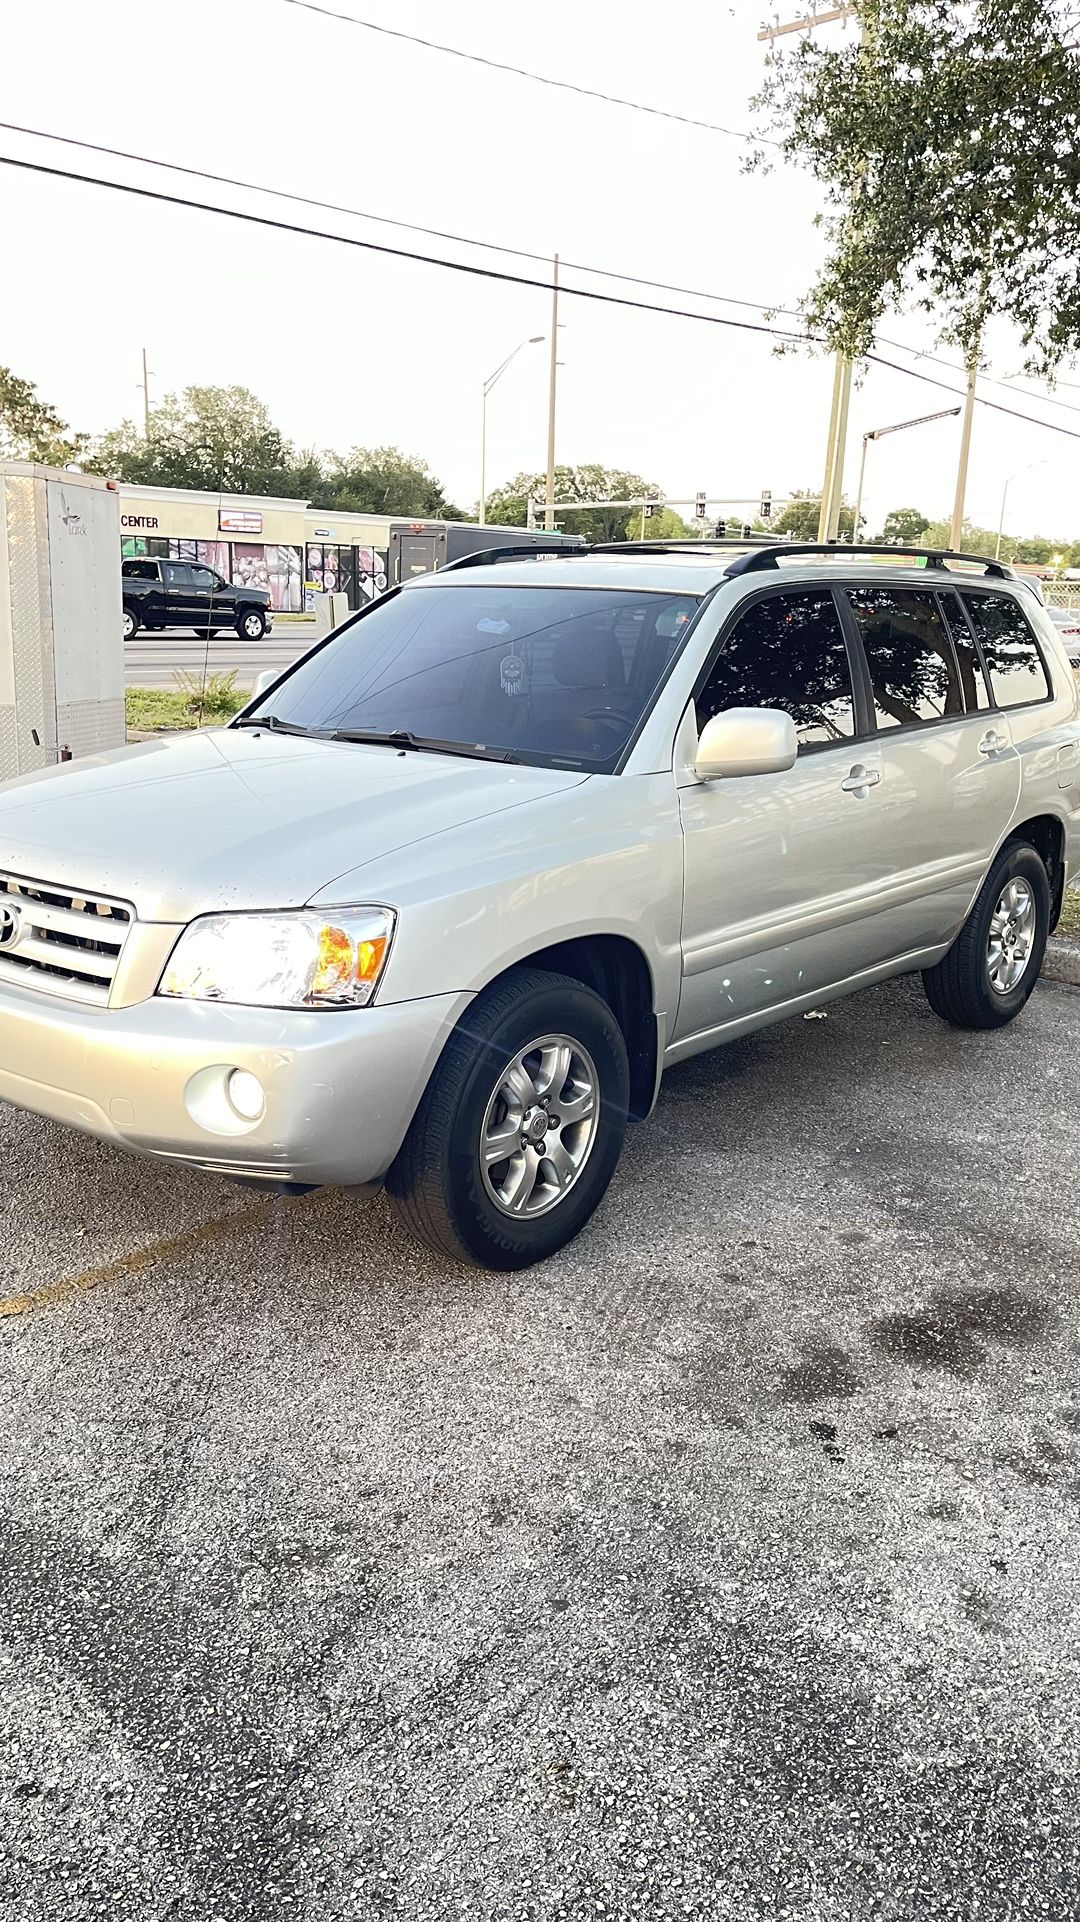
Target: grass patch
x: 188, y: 704
x: 1069, y: 925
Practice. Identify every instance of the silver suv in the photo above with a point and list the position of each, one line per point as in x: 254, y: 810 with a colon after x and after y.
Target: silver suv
x: 439, y: 908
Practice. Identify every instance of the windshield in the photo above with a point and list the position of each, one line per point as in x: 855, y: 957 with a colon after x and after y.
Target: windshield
x: 558, y: 676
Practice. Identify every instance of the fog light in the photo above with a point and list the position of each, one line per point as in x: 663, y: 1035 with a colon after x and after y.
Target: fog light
x: 246, y: 1094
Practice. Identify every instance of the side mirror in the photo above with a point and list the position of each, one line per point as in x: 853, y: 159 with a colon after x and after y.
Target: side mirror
x: 746, y: 740
x: 265, y: 682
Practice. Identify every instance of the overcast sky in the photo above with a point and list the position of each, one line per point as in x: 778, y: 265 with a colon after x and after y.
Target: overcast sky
x: 349, y: 347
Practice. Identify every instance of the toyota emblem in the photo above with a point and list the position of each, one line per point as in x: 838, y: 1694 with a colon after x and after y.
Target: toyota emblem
x: 9, y: 926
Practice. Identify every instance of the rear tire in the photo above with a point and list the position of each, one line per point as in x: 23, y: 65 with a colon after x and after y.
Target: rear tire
x: 131, y: 623
x: 448, y: 1193
x: 993, y: 965
x: 206, y: 633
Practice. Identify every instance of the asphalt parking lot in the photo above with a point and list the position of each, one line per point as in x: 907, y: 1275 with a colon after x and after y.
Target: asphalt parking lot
x: 727, y: 1566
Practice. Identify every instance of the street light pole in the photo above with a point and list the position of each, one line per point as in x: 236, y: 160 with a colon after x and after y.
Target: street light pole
x: 533, y: 341
x: 549, y: 490
x: 878, y: 433
x: 1005, y: 496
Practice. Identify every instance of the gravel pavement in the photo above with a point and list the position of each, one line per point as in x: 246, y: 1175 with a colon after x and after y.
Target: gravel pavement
x: 727, y: 1566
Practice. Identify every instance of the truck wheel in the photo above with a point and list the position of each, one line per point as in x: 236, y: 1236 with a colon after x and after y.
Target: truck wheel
x: 252, y: 624
x: 131, y: 622
x: 993, y: 965
x: 520, y: 1127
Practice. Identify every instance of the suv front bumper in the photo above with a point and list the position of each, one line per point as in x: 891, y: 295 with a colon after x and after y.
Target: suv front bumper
x: 340, y: 1086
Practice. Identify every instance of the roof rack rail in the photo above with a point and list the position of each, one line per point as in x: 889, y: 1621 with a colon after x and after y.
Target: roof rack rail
x: 767, y: 557
x: 487, y: 556
x: 707, y: 546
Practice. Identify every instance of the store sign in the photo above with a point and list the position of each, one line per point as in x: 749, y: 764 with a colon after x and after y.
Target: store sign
x: 322, y: 533
x: 232, y: 521
x: 139, y: 520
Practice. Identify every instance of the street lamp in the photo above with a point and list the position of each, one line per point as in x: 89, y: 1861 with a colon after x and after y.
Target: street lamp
x: 533, y: 341
x: 876, y: 433
x: 1005, y: 496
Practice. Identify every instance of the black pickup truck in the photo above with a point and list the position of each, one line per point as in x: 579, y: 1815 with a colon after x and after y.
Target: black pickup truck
x: 187, y: 594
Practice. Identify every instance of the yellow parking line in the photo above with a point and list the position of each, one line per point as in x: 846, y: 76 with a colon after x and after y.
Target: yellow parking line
x: 135, y: 1263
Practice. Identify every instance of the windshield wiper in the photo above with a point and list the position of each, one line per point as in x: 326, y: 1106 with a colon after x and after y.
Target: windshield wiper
x: 402, y: 737
x: 271, y: 721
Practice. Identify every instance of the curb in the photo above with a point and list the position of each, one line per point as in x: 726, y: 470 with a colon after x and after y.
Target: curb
x: 1062, y: 961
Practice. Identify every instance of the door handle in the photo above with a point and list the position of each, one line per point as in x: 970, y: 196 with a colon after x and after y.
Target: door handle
x: 861, y: 779
x: 993, y: 742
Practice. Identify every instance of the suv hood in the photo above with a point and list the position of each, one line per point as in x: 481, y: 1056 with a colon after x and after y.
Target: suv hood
x: 229, y: 819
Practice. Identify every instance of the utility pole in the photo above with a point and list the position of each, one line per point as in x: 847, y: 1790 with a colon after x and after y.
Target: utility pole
x: 833, y: 485
x: 549, y: 491
x: 146, y: 395
x: 956, y: 533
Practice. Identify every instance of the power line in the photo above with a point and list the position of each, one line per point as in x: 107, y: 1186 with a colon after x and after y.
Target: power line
x: 386, y: 220
x: 395, y: 253
x: 492, y: 246
x: 497, y: 274
x: 524, y: 73
x: 1052, y: 426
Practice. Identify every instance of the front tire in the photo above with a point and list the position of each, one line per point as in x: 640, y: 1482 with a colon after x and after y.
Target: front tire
x: 993, y: 965
x: 536, y: 1067
x: 252, y: 624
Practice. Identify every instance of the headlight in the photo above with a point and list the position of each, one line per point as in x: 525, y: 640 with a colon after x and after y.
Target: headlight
x: 310, y: 959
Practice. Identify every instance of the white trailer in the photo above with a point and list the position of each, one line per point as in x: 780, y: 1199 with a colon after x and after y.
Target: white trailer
x: 61, y: 646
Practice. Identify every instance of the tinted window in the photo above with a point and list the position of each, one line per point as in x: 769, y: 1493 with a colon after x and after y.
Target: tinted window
x: 787, y: 651
x: 972, y: 678
x: 141, y: 570
x: 551, y: 674
x: 177, y: 576
x: 913, y: 675
x: 1008, y: 645
x: 202, y: 577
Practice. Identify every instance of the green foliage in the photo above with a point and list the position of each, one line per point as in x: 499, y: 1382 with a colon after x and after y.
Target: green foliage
x: 507, y: 506
x: 800, y: 517
x: 213, y: 438
x: 905, y: 526
x: 665, y: 526
x: 216, y: 699
x: 946, y: 143
x: 381, y: 480
x: 30, y: 429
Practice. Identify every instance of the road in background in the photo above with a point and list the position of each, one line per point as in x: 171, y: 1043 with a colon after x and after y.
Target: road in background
x: 153, y: 660
x: 726, y: 1566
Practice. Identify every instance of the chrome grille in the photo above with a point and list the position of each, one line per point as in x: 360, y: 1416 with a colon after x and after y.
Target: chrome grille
x: 58, y: 942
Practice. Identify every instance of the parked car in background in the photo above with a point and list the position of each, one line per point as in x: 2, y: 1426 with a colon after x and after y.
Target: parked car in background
x: 439, y: 908
x: 1067, y: 622
x: 161, y: 594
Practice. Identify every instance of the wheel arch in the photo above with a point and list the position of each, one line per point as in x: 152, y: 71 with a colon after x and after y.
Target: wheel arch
x: 1046, y: 834
x: 618, y: 970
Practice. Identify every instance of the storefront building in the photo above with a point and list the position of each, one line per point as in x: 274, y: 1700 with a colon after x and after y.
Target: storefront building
x: 287, y: 546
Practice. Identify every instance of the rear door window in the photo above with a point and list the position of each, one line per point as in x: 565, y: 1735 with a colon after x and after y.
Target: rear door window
x: 914, y: 676
x: 787, y: 651
x: 176, y: 575
x: 1015, y: 666
x: 972, y: 679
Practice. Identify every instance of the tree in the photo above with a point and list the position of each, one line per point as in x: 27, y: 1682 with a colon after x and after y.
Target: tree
x: 905, y: 526
x: 800, y: 517
x: 947, y: 145
x: 665, y: 526
x: 382, y: 480
x: 30, y: 429
x: 208, y: 437
x: 507, y: 506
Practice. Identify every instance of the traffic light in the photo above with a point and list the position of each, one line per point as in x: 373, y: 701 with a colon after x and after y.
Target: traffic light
x: 747, y: 530
x: 699, y: 505
x: 720, y: 530
x: 766, y: 503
